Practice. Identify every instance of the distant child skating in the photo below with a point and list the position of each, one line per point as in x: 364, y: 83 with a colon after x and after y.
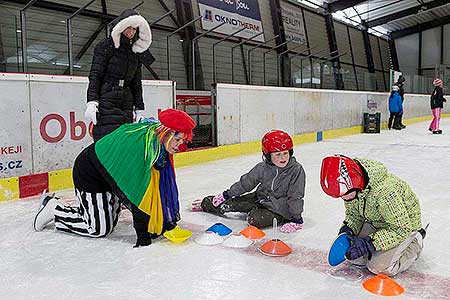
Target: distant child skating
x: 395, y: 109
x: 437, y: 104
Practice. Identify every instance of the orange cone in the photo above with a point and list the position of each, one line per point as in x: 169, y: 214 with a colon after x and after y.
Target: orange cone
x: 382, y: 285
x: 252, y: 233
x: 275, y: 247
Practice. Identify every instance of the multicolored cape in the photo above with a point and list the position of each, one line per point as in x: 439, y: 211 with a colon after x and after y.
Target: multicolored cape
x: 136, y: 160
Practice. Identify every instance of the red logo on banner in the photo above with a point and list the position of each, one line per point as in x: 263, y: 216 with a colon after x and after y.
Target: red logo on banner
x: 73, y: 125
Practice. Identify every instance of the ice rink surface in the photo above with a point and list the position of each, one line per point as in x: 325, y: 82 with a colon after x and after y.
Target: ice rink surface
x: 54, y: 265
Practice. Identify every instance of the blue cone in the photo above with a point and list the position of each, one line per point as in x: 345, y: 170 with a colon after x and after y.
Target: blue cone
x: 338, y: 249
x: 220, y: 229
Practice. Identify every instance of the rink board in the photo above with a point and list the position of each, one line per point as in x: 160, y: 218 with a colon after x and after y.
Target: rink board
x: 15, y: 127
x: 245, y: 113
x: 43, y: 127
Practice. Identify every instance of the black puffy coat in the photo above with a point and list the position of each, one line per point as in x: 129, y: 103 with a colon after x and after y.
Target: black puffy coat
x: 115, y: 78
x: 437, y: 98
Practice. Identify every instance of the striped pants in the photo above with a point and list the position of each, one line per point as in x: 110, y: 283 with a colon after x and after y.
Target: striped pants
x: 95, y: 214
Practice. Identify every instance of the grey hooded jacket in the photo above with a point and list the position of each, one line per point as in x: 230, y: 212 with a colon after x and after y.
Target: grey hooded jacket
x: 281, y: 190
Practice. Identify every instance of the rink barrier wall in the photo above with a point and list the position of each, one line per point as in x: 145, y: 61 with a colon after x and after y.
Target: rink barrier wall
x: 34, y: 184
x: 42, y: 126
x: 246, y: 112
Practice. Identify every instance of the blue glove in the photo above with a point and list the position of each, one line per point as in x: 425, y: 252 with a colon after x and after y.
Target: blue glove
x: 346, y: 229
x: 359, y: 247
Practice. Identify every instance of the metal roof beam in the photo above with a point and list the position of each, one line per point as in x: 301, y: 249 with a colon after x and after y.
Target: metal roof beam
x: 343, y: 4
x: 406, y: 12
x: 420, y: 27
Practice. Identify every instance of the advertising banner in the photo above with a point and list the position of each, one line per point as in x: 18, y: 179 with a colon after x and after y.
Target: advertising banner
x: 15, y: 127
x: 236, y: 14
x: 293, y: 23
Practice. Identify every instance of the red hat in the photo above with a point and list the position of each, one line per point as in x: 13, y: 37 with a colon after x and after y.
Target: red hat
x: 340, y: 174
x: 276, y: 141
x: 177, y: 120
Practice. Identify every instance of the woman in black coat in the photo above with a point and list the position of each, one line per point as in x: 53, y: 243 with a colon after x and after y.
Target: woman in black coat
x: 114, y: 95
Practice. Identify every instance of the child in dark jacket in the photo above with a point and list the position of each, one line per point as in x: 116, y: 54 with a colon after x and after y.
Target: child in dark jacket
x: 437, y: 103
x: 280, y: 182
x: 395, y: 108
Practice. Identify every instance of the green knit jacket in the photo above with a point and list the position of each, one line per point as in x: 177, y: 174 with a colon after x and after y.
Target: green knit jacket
x: 388, y: 203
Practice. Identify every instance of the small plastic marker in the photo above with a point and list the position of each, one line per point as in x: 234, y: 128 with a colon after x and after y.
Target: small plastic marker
x: 382, y: 285
x: 252, y: 233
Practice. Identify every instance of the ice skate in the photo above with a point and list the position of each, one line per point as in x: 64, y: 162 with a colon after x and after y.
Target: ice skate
x: 46, y: 212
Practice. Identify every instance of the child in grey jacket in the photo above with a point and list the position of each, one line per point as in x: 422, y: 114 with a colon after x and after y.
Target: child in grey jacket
x: 280, y: 182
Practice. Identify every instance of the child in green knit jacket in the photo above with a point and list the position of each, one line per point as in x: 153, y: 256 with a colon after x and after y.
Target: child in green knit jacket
x: 382, y: 213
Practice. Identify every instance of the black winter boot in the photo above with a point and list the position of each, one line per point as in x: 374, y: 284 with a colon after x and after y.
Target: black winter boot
x: 207, y: 206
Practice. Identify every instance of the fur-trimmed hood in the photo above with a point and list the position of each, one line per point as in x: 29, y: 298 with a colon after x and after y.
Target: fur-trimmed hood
x: 132, y: 18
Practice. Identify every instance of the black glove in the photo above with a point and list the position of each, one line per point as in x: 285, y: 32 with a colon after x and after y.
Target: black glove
x: 170, y: 226
x: 346, y: 229
x: 140, y: 224
x: 143, y: 240
x: 359, y: 247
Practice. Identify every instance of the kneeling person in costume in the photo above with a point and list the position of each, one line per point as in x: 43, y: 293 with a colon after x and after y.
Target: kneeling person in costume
x: 382, y: 213
x: 280, y: 182
x: 132, y: 165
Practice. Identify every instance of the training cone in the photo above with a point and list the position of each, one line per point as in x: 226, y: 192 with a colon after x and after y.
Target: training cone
x: 252, y: 233
x: 340, y: 245
x: 177, y: 235
x: 220, y: 229
x: 275, y: 247
x: 382, y: 285
x: 209, y: 238
x: 237, y: 241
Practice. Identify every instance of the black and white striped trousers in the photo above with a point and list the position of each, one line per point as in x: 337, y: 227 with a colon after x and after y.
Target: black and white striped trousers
x: 95, y: 214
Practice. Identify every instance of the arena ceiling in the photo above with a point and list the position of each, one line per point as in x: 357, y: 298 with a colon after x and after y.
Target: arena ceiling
x: 387, y: 17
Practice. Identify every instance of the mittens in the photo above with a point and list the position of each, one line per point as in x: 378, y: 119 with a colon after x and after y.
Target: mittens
x: 90, y: 114
x: 291, y: 227
x: 138, y: 115
x: 359, y: 247
x: 218, y: 199
x: 346, y: 229
x: 143, y: 240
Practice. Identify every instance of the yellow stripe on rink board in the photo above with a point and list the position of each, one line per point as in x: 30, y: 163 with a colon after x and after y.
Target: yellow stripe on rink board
x: 304, y: 138
x: 221, y: 152
x: 9, y: 188
x: 60, y: 180
x: 335, y: 133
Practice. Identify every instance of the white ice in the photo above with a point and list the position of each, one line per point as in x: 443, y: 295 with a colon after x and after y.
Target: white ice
x: 54, y: 265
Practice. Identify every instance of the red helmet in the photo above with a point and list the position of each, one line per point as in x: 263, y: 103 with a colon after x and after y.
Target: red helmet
x: 340, y: 174
x: 276, y: 141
